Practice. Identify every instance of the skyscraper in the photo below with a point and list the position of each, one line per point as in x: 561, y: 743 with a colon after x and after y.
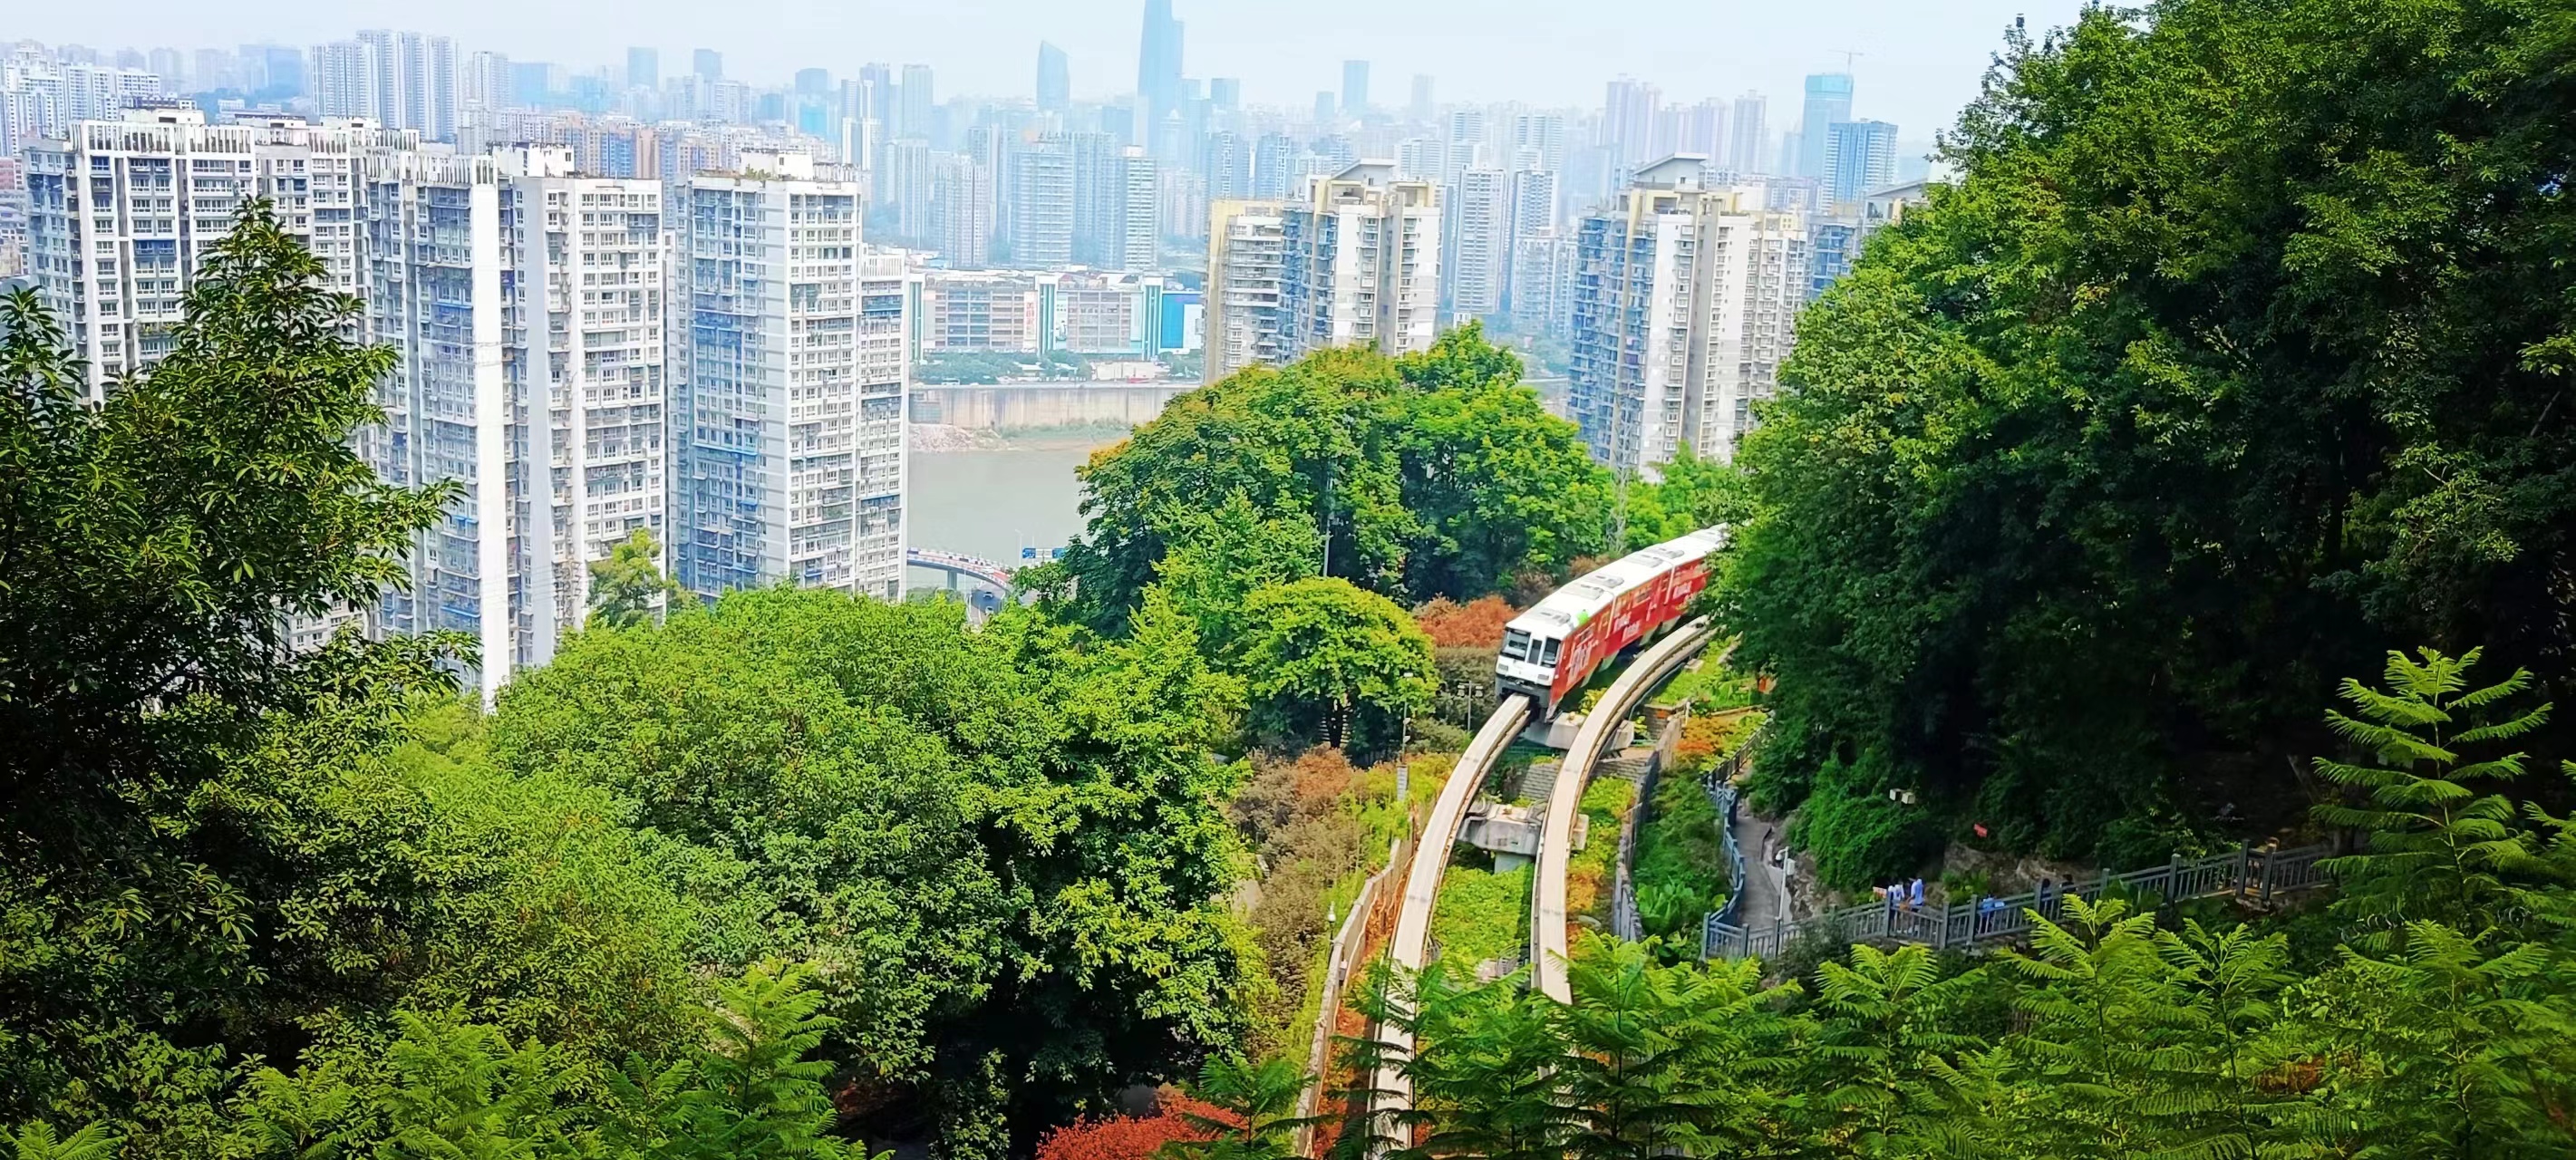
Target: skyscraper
x: 344, y: 79
x: 643, y: 68
x: 1748, y: 135
x: 1829, y: 103
x: 1422, y: 108
x: 1140, y: 230
x: 117, y: 313
x: 962, y: 191
x: 1055, y: 79
x: 788, y: 436
x: 1860, y: 157
x: 708, y: 64
x: 1706, y: 283
x: 1158, y: 63
x: 918, y: 102
x: 1096, y: 195
x: 1042, y: 208
x: 552, y: 430
x: 1628, y: 122
x: 1480, y: 244
x: 1355, y: 95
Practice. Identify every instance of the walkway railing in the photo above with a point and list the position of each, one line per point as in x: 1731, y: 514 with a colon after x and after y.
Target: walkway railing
x: 1721, y: 793
x: 2254, y: 875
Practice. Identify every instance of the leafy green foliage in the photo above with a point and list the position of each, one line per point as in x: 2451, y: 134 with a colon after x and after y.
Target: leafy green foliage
x: 2233, y: 357
x: 1251, y: 1110
x: 2436, y: 843
x: 1482, y: 914
x: 1332, y: 664
x: 2111, y: 1035
x: 1680, y: 871
x: 628, y: 588
x: 1003, y: 845
x: 1436, y: 474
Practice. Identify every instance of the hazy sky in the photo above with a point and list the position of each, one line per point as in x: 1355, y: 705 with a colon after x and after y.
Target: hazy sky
x: 1920, y: 59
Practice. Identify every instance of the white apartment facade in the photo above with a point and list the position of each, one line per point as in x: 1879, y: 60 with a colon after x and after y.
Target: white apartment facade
x: 121, y: 214
x: 1243, y: 329
x: 1684, y: 302
x: 1360, y: 263
x: 790, y: 432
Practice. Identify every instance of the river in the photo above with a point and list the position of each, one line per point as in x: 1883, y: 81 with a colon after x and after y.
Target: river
x: 992, y: 502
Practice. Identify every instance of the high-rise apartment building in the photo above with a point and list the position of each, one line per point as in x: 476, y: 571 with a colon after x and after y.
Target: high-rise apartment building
x: 1360, y: 263
x: 1422, y: 108
x: 1829, y: 103
x: 1542, y: 282
x: 1042, y: 204
x: 1684, y: 301
x: 121, y: 213
x: 643, y: 68
x: 344, y: 79
x: 1355, y: 94
x: 788, y: 433
x: 962, y: 194
x: 412, y: 81
x: 1244, y: 240
x: 1860, y: 157
x: 527, y: 303
x: 1480, y: 244
x: 1749, y: 135
x: 918, y: 115
x: 707, y: 63
x: 1140, y: 220
x: 1628, y: 114
x: 1055, y: 79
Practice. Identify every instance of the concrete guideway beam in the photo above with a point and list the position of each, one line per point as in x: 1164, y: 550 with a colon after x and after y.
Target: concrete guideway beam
x: 1547, y: 891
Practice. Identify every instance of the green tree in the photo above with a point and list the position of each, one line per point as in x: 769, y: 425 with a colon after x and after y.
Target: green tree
x: 38, y: 1141
x: 2437, y: 846
x: 1884, y: 1019
x: 2234, y: 353
x: 628, y: 588
x: 1434, y: 474
x: 198, y: 858
x: 1256, y: 1105
x: 1332, y: 664
x: 1664, y: 1059
x: 1003, y: 845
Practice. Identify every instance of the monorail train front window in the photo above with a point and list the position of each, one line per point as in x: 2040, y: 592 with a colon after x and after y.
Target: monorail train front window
x: 1516, y: 644
x: 1551, y: 653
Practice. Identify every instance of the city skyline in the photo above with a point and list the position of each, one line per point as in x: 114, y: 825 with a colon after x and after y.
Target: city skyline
x: 1915, y: 68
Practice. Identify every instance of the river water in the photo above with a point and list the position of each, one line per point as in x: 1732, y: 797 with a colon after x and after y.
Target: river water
x: 992, y: 502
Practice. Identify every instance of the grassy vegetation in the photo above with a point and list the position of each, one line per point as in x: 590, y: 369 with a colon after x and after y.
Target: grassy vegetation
x: 1681, y: 869
x: 1481, y: 914
x: 1591, y: 870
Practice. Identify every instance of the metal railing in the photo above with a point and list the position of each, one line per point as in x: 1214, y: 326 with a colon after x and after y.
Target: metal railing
x: 2257, y: 876
x: 1721, y: 794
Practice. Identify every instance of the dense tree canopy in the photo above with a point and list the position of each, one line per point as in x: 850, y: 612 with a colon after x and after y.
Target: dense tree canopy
x: 1005, y: 850
x: 2430, y: 1012
x: 1331, y: 664
x: 732, y: 886
x: 2233, y: 357
x: 1435, y: 474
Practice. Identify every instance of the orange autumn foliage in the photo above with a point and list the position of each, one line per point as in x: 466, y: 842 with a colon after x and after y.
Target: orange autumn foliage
x: 1475, y: 624
x: 1127, y: 1137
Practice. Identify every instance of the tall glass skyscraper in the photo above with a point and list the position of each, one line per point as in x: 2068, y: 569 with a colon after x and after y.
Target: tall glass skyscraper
x: 1055, y: 78
x: 1829, y: 103
x: 1158, y: 63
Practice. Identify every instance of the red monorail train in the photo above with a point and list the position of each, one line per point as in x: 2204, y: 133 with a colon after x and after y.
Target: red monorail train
x: 1550, y: 650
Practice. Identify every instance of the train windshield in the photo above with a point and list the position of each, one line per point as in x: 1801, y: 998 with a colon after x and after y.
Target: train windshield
x: 1516, y: 645
x: 1551, y: 653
